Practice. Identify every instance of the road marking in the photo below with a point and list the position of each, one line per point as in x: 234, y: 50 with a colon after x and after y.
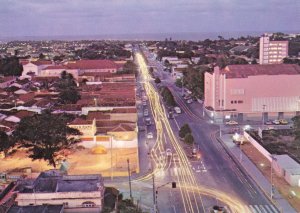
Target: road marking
x: 252, y: 209
x: 176, y: 124
x: 273, y: 208
x: 257, y: 209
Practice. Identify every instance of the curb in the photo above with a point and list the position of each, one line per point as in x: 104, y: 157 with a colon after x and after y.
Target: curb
x: 244, y: 171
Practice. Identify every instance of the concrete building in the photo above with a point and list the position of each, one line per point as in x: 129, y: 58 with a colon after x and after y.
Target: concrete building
x: 35, y: 67
x: 272, y: 52
x: 247, y: 91
x: 78, y: 193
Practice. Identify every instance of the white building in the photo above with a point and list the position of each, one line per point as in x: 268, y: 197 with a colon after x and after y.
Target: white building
x: 78, y: 193
x: 272, y: 52
x: 35, y: 67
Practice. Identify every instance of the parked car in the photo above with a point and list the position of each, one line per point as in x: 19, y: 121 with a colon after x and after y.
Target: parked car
x: 276, y: 122
x: 268, y: 122
x: 231, y: 122
x: 149, y: 135
x: 283, y: 121
x: 189, y: 101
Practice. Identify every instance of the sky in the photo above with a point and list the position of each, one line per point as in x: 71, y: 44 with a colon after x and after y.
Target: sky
x: 96, y: 17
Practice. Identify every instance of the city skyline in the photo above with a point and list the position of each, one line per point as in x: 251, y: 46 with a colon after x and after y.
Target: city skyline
x: 80, y: 18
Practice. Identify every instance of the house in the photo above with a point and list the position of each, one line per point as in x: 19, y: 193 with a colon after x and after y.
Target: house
x: 77, y: 193
x: 252, y: 91
x: 34, y: 67
x: 6, y: 81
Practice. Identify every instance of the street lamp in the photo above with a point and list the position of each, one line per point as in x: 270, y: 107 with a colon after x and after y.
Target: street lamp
x: 263, y: 115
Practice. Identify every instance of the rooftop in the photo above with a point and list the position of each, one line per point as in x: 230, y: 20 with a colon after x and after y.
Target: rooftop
x: 93, y: 64
x: 244, y: 71
x: 55, y: 181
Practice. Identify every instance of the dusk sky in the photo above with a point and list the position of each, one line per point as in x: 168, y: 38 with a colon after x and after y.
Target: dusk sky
x: 93, y: 17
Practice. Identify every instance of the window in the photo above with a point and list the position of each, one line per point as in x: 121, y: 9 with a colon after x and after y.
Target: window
x: 240, y: 102
x: 88, y: 204
x: 231, y: 102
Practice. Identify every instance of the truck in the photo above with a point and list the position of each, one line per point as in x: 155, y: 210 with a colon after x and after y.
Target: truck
x: 177, y: 110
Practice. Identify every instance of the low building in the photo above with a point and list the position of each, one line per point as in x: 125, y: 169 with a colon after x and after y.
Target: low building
x: 249, y: 91
x: 75, y: 192
x: 34, y: 67
x: 40, y: 208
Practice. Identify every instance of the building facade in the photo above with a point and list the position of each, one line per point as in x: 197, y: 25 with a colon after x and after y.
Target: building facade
x: 53, y: 188
x: 254, y: 89
x: 272, y: 52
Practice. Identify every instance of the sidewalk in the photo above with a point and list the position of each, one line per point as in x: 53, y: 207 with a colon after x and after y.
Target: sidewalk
x: 256, y: 175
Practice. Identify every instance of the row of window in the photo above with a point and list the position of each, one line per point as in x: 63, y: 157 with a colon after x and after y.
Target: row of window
x: 237, y: 102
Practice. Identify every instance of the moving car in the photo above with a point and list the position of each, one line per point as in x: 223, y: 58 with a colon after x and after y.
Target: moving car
x: 177, y: 110
x: 148, y: 121
x: 146, y: 113
x: 231, y: 122
x: 168, y: 152
x: 149, y: 135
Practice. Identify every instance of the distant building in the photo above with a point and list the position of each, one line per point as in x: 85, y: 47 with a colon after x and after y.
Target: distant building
x: 77, y: 193
x: 34, y: 67
x: 244, y: 91
x: 272, y: 52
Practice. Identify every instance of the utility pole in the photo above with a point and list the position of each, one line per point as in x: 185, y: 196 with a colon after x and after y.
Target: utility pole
x: 129, y: 179
x: 111, y: 159
x: 154, y: 193
x: 182, y: 86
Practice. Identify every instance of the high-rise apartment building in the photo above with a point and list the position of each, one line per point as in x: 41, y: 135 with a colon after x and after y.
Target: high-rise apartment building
x: 272, y: 52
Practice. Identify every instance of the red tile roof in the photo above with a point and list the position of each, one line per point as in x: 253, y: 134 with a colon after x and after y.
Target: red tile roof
x: 54, y: 67
x: 41, y: 62
x: 93, y: 64
x: 244, y: 71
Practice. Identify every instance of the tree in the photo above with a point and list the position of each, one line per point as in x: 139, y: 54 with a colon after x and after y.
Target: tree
x: 184, y: 130
x: 189, y: 139
x: 168, y: 96
x: 66, y: 85
x: 44, y: 135
x: 129, y: 68
x: 157, y: 80
x: 10, y: 66
x: 296, y: 122
x: 42, y: 56
x: 5, y: 143
x: 178, y: 82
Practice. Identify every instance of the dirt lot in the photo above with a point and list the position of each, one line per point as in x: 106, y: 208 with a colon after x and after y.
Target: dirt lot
x: 265, y: 167
x: 80, y: 162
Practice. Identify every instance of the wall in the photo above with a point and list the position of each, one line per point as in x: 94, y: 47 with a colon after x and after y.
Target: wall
x: 74, y: 199
x: 280, y: 93
x: 259, y: 147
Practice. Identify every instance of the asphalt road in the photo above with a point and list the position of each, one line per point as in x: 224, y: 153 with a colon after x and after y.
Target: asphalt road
x: 216, y: 168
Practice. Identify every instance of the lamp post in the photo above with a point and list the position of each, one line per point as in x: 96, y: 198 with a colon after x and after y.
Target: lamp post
x: 129, y: 179
x: 156, y: 193
x: 263, y: 115
x: 182, y: 90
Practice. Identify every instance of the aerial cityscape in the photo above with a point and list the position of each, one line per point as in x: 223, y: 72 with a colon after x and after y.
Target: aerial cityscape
x: 150, y: 106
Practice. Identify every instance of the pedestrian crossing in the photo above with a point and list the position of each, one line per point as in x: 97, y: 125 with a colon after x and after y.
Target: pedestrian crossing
x: 255, y: 209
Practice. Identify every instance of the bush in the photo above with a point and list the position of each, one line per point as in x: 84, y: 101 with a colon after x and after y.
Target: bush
x: 157, y: 80
x: 184, y: 130
x: 189, y: 139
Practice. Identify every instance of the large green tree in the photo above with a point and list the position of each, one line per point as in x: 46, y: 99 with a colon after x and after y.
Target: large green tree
x: 184, y: 130
x: 10, y: 66
x: 68, y: 91
x: 44, y: 135
x: 5, y: 143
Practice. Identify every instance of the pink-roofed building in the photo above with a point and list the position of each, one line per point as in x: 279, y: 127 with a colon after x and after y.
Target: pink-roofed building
x: 56, y: 70
x: 95, y: 66
x: 242, y: 91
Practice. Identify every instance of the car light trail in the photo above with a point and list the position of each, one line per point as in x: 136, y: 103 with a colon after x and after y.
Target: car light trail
x: 189, y: 189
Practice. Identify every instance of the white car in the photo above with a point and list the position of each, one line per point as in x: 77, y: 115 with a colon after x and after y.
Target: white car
x: 168, y: 152
x: 189, y: 101
x: 149, y: 135
x: 231, y: 122
x: 277, y: 122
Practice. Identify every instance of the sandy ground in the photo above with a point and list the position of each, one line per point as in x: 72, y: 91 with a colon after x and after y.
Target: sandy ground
x: 80, y: 162
x: 265, y: 167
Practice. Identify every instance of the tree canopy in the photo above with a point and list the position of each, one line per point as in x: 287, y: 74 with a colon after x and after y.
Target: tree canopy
x: 68, y: 92
x: 45, y: 135
x: 10, y: 66
x: 5, y: 143
x: 168, y: 96
x: 184, y: 130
